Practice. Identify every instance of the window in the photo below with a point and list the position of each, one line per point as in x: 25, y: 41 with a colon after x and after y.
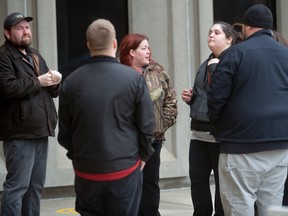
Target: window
x: 232, y: 11
x: 73, y: 19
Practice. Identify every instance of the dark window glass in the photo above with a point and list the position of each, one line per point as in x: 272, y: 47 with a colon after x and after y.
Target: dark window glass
x: 73, y: 19
x: 231, y: 11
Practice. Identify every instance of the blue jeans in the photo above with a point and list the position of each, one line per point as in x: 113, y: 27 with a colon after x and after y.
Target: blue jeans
x: 26, y: 162
x: 114, y: 198
x: 150, y: 200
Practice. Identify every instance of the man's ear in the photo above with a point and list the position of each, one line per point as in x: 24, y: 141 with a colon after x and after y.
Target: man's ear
x: 230, y: 39
x: 7, y: 34
x: 115, y: 44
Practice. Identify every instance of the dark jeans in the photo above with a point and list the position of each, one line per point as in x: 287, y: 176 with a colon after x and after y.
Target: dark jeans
x: 26, y: 172
x: 149, y: 204
x: 203, y: 158
x: 114, y: 198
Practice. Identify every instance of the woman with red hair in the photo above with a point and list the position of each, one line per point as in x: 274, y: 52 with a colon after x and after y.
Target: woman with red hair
x: 135, y: 52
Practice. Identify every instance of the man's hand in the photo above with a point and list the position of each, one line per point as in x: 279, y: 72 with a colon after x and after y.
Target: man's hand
x: 56, y: 76
x: 46, y: 79
x: 142, y: 164
x: 50, y: 78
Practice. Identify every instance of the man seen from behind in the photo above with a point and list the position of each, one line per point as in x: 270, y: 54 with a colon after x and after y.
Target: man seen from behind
x: 106, y: 123
x: 247, y: 101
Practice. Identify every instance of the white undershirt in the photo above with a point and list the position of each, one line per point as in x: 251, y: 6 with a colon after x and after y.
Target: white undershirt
x: 203, y: 136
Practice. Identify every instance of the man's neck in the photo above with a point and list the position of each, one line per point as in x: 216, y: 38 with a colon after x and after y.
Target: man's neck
x: 111, y: 53
x: 23, y: 51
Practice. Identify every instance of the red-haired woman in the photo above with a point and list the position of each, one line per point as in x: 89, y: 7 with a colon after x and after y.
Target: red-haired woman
x: 134, y: 51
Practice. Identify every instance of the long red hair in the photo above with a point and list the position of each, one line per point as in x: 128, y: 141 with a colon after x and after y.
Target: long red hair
x: 130, y: 41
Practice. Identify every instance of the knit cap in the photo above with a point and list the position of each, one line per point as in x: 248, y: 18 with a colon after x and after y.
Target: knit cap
x: 258, y: 16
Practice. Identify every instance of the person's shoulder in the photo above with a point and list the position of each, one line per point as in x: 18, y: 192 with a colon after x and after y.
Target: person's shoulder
x: 73, y: 75
x: 3, y: 49
x: 7, y: 48
x: 235, y: 49
x: 125, y: 71
x: 156, y: 65
x: 126, y: 68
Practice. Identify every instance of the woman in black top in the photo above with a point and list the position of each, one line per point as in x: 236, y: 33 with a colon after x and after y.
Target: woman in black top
x: 204, y: 150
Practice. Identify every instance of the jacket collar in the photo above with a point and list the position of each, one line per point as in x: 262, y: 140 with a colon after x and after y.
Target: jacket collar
x: 261, y: 32
x: 17, y: 54
x: 103, y: 58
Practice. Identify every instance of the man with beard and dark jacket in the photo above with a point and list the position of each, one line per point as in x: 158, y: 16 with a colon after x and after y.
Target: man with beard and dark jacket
x: 106, y: 123
x: 27, y: 117
x: 247, y: 102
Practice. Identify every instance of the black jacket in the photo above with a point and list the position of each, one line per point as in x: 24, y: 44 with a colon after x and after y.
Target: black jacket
x: 248, y: 96
x: 26, y: 109
x: 198, y: 103
x: 106, y: 117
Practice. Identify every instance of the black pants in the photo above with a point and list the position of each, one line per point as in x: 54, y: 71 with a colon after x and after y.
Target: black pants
x: 114, y: 198
x: 203, y: 158
x: 285, y: 197
x: 151, y: 192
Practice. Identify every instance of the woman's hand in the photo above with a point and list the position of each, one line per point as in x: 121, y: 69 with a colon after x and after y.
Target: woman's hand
x: 187, y: 95
x: 213, y: 61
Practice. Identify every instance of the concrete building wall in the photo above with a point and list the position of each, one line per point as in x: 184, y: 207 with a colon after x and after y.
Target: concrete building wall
x: 177, y: 31
x: 179, y: 44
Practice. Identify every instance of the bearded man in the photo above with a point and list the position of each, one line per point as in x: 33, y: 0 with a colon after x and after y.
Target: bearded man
x: 27, y: 115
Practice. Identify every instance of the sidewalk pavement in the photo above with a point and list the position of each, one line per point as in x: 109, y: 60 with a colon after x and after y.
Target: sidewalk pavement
x: 174, y: 202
